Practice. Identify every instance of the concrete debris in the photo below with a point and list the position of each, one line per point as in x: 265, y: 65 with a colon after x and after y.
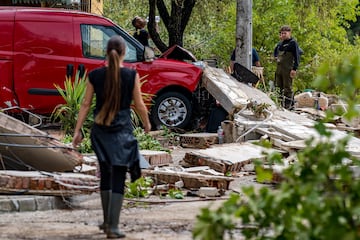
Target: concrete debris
x: 33, y: 162
x: 45, y: 183
x: 225, y: 158
x: 23, y: 147
x: 313, y: 99
x: 156, y: 158
x: 314, y: 104
x: 287, y: 130
x: 232, y: 94
x: 190, y: 180
x: 209, y: 192
x: 198, y: 140
x: 252, y: 116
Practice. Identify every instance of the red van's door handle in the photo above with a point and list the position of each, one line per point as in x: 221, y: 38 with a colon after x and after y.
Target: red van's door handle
x: 69, y: 70
x: 81, y: 69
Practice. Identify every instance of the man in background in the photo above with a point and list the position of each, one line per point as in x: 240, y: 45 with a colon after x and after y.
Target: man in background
x: 287, y: 57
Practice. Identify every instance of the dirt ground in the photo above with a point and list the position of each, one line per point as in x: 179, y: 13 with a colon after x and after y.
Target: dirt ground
x: 157, y: 219
x: 149, y: 221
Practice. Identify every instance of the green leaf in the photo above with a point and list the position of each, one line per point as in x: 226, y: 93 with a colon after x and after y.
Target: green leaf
x: 263, y: 175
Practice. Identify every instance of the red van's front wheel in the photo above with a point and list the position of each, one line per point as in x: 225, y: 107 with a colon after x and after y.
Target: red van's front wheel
x: 171, y: 109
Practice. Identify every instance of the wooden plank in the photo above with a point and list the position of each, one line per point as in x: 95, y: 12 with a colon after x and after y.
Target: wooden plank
x: 272, y: 133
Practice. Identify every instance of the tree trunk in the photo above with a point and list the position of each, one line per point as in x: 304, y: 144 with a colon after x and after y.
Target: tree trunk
x: 152, y: 27
x: 243, y: 51
x: 175, y: 23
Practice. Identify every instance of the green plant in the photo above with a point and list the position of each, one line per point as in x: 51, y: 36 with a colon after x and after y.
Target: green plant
x: 67, y: 113
x: 139, y: 188
x: 259, y: 110
x: 171, y: 137
x: 147, y: 142
x: 136, y: 120
x: 84, y: 146
x: 72, y: 94
x: 176, y: 194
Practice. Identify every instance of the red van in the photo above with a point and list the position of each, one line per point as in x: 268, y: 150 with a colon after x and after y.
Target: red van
x: 39, y: 47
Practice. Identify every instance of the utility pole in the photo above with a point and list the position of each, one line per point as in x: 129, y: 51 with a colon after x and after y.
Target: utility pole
x: 243, y: 51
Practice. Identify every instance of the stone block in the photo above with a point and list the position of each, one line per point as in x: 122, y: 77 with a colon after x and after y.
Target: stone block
x: 7, y: 206
x: 27, y: 204
x: 44, y: 203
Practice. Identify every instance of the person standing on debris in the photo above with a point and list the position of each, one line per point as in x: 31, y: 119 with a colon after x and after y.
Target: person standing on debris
x: 112, y: 133
x: 140, y: 33
x: 287, y: 58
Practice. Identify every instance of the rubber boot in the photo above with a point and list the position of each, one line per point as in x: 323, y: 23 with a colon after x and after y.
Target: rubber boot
x: 114, y: 216
x: 289, y: 103
x: 105, y: 204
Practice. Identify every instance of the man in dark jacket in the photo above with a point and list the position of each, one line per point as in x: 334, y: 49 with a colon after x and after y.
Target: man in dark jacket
x: 287, y: 56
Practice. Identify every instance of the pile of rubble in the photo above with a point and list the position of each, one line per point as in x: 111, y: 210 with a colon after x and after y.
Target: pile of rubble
x: 35, y: 163
x: 215, y: 165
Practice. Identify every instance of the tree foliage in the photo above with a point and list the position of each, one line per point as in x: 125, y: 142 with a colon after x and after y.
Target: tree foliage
x: 320, y: 27
x: 317, y: 26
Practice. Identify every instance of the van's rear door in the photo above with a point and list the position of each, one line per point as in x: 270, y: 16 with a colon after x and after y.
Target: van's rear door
x: 43, y: 51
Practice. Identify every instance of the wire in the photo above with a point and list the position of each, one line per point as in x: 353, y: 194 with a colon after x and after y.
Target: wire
x: 16, y: 160
x: 26, y: 135
x: 34, y: 146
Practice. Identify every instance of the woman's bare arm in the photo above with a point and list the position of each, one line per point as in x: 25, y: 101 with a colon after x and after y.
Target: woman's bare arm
x: 140, y: 106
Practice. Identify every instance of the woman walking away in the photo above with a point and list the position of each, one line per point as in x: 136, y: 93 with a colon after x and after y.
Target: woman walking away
x: 112, y: 134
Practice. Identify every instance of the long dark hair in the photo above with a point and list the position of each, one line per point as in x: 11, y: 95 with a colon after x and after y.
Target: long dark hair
x: 112, y: 86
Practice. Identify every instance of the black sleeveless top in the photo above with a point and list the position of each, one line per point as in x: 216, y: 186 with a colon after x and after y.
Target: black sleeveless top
x: 97, y: 78
x: 116, y: 143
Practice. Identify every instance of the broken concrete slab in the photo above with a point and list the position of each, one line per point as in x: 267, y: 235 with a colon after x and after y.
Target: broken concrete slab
x: 190, y: 180
x: 232, y: 94
x: 293, y: 129
x: 23, y: 147
x: 226, y: 157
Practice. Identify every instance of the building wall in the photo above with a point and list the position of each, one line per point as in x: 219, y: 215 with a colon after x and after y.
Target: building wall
x: 93, y: 6
x: 97, y: 6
